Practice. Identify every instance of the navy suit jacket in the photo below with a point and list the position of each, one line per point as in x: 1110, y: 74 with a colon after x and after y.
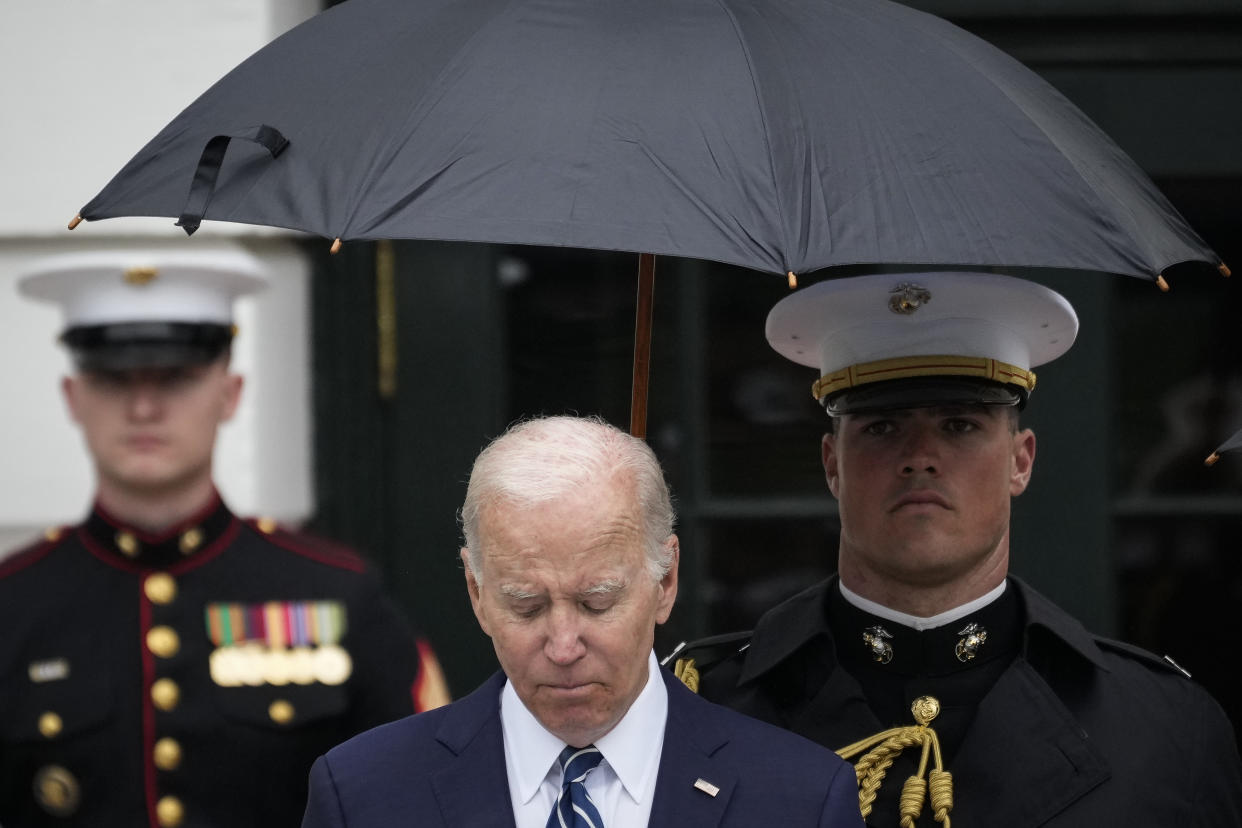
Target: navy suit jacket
x: 446, y: 767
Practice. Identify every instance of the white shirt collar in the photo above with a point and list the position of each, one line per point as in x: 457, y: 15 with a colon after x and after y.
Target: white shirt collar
x: 539, y: 748
x: 629, y: 748
x: 915, y: 622
x: 633, y: 747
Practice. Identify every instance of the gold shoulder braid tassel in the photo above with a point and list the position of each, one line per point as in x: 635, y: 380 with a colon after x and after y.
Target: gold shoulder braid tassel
x: 883, y: 748
x: 685, y: 670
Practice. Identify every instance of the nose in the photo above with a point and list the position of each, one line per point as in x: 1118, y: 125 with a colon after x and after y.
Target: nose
x: 921, y: 452
x: 563, y: 644
x: 144, y: 402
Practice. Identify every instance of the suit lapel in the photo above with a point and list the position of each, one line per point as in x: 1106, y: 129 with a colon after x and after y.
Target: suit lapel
x: 473, y: 787
x: 692, y: 736
x: 1022, y: 725
x: 836, y: 715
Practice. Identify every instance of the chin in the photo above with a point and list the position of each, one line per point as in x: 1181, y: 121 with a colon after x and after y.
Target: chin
x: 577, y: 727
x: 150, y: 479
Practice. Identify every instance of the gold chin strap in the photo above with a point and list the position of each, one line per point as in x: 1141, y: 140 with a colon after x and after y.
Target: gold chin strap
x: 863, y: 373
x: 883, y: 748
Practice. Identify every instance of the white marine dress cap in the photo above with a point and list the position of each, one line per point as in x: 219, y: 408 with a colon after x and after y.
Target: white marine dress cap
x: 135, y: 308
x: 903, y: 340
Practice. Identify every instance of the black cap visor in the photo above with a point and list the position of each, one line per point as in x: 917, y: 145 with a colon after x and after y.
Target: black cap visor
x: 134, y: 345
x: 923, y: 392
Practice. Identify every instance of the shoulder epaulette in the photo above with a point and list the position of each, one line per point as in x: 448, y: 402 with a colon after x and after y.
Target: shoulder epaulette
x: 34, y: 551
x: 310, y: 546
x: 712, y: 650
x: 691, y: 659
x: 1149, y: 658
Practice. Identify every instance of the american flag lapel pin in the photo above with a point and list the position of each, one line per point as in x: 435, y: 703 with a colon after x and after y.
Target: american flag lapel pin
x: 706, y: 787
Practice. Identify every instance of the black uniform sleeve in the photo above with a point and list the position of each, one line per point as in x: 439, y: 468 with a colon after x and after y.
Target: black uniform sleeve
x: 396, y: 672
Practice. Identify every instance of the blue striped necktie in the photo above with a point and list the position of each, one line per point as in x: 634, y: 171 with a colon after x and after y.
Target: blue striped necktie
x: 574, y: 808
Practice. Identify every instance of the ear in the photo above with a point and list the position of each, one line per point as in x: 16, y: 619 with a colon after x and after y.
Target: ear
x: 668, y: 584
x: 828, y: 455
x: 69, y: 390
x: 472, y: 589
x: 232, y: 395
x: 1023, y: 461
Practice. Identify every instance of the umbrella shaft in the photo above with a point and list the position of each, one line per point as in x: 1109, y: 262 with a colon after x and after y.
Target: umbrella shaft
x: 642, y: 344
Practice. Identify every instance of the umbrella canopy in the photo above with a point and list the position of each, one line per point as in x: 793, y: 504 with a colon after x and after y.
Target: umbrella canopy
x: 780, y: 135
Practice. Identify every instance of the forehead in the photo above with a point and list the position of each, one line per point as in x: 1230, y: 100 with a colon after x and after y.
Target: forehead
x: 594, y: 528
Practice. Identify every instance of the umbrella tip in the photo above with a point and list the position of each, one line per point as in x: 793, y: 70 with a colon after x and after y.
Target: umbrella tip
x: 1224, y: 270
x: 336, y: 246
x: 1161, y: 283
x: 78, y: 220
x: 793, y: 280
x: 1212, y: 458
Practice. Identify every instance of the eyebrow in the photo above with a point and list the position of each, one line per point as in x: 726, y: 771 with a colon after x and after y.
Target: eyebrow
x: 517, y: 593
x: 608, y: 587
x: 964, y: 408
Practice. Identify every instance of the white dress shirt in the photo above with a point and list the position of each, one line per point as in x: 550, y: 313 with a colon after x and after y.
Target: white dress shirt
x: 623, y: 785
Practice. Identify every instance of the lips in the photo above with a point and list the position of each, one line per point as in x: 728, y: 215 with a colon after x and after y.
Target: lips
x: 570, y: 685
x: 569, y: 693
x: 921, y: 497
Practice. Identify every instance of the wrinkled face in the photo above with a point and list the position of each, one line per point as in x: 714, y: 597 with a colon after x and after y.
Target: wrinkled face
x: 924, y: 493
x: 565, y: 595
x: 150, y: 429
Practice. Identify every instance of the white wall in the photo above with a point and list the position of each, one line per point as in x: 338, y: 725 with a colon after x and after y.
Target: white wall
x: 86, y: 84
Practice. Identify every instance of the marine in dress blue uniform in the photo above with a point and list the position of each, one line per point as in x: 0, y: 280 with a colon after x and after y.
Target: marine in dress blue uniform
x: 995, y: 709
x: 186, y: 675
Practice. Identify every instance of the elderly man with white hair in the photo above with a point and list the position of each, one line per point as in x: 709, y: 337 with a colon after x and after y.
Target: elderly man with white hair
x: 570, y: 562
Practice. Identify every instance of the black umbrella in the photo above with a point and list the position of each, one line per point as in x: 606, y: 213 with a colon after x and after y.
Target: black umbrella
x: 780, y: 135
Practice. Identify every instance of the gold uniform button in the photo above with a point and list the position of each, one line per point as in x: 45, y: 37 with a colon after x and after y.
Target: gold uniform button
x: 280, y: 711
x: 167, y: 754
x: 127, y: 543
x: 160, y: 588
x: 57, y: 791
x: 165, y: 693
x: 169, y: 812
x: 191, y: 540
x: 50, y: 725
x: 266, y: 525
x: 52, y: 533
x: 163, y: 641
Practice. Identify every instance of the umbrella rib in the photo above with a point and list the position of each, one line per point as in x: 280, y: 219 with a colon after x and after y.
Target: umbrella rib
x: 383, y: 160
x: 1102, y: 208
x: 767, y: 133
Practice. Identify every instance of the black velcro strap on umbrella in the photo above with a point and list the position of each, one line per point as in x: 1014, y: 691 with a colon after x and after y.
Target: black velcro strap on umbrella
x: 208, y: 170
